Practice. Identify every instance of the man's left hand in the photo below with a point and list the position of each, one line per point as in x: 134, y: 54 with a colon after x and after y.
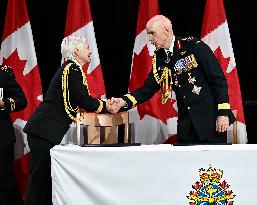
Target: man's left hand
x: 222, y: 123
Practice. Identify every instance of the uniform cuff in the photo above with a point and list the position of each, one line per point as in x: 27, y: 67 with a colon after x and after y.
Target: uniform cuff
x: 102, y: 106
x: 223, y: 106
x: 224, y: 112
x: 130, y: 101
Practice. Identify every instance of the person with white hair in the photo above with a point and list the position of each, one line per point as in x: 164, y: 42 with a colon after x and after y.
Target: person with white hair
x: 67, y: 94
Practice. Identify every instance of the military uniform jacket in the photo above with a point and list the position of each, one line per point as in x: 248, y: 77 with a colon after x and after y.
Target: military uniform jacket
x: 14, y: 100
x: 198, y: 81
x: 66, y: 93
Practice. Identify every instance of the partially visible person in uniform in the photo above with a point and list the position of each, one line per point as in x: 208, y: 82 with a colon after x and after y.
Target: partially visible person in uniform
x: 67, y: 94
x: 12, y: 99
x: 189, y: 68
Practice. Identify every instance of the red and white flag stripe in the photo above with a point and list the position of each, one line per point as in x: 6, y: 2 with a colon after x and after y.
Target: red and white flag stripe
x: 17, y: 51
x: 153, y: 122
x: 79, y: 22
x: 215, y: 32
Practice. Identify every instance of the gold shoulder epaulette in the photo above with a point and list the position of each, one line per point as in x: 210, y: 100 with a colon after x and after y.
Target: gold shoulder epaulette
x: 190, y: 41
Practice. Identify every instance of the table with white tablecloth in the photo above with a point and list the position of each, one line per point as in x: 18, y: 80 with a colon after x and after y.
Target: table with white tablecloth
x: 154, y: 174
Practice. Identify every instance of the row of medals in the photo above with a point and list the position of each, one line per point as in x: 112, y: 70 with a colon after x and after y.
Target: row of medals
x: 196, y: 90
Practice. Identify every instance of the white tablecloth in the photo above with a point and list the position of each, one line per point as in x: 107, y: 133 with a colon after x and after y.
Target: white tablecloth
x: 149, y: 174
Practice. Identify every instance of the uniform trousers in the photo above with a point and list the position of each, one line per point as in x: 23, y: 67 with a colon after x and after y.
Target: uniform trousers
x: 9, y: 194
x: 40, y: 183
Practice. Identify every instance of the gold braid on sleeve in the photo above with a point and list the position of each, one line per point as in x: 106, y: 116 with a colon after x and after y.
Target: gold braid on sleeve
x: 132, y: 99
x: 101, y: 105
x: 66, y: 96
x: 223, y: 106
x: 165, y: 81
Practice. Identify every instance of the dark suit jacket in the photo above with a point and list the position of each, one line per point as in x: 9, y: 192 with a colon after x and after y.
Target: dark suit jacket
x: 199, y: 84
x: 14, y: 100
x: 51, y: 121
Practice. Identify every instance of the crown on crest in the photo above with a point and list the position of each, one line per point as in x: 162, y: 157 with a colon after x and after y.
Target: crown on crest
x: 210, y: 175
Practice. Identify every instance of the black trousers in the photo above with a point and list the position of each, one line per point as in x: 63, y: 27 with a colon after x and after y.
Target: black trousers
x: 9, y: 194
x: 193, y: 137
x: 40, y: 184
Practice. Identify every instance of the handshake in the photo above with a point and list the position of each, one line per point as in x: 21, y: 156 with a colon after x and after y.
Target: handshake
x: 113, y: 105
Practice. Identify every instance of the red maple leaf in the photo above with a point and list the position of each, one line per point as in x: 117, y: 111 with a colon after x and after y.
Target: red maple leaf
x: 197, y: 185
x: 224, y: 185
x: 235, y: 98
x: 142, y: 65
x: 153, y: 107
x: 30, y: 83
x: 156, y: 109
x: 230, y: 192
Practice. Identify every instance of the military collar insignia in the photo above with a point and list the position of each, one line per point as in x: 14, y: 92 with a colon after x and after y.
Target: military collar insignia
x: 179, y: 44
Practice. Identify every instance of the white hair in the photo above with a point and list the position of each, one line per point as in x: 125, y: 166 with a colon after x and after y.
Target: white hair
x: 69, y: 44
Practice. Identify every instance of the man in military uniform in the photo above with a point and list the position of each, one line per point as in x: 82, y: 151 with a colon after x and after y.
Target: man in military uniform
x: 67, y: 94
x: 189, y: 68
x: 12, y: 99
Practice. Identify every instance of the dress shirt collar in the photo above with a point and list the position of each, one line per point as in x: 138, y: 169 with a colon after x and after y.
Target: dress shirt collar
x: 171, y: 45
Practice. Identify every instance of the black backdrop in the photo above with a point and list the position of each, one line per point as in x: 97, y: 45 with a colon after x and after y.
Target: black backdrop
x: 115, y: 27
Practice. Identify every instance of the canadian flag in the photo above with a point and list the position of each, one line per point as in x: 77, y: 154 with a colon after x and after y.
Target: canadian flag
x: 79, y: 22
x: 152, y: 121
x: 216, y: 34
x: 17, y: 51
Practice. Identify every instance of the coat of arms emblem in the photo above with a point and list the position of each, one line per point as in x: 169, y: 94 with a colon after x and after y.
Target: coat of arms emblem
x: 211, y: 190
